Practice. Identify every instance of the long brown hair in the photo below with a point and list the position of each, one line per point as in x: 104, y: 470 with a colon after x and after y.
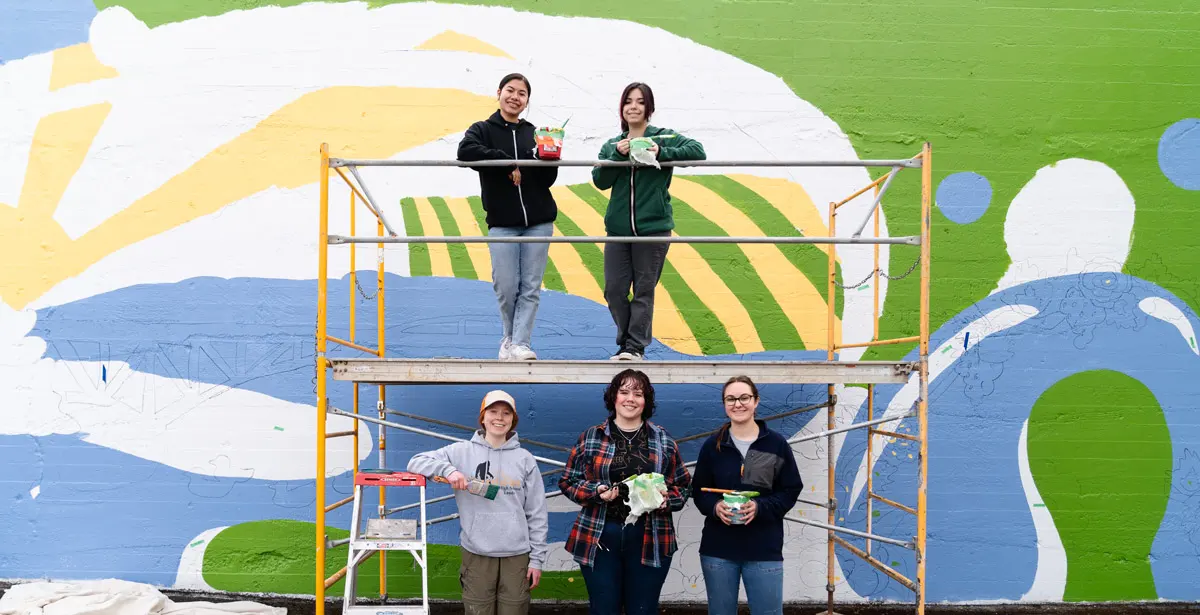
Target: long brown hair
x: 753, y: 391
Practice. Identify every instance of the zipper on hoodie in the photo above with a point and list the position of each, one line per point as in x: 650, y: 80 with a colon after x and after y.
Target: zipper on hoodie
x: 632, y: 200
x: 520, y: 196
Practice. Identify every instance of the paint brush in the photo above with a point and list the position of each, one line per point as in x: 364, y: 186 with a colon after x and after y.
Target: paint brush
x: 476, y: 487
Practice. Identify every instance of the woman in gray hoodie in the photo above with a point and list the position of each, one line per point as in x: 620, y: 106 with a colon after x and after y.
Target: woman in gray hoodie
x: 504, y: 539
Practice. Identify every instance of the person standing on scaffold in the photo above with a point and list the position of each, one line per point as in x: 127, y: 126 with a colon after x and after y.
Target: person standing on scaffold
x: 639, y: 205
x: 742, y: 540
x: 518, y: 203
x: 503, y: 517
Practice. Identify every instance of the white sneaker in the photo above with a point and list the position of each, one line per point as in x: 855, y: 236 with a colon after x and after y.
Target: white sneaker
x: 520, y: 352
x: 505, y: 349
x: 627, y: 355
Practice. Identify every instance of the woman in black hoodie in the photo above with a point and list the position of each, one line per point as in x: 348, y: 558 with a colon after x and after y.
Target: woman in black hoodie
x: 518, y: 204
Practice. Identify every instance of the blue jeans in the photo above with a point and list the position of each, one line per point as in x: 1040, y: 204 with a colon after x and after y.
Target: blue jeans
x: 517, y: 270
x: 763, y: 581
x: 617, y: 578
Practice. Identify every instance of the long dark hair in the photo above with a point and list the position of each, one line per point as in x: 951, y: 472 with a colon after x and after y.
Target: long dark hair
x: 647, y: 94
x: 637, y: 380
x: 753, y: 391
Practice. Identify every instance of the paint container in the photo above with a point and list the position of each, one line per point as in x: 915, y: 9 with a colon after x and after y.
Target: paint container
x: 735, y: 502
x: 549, y: 142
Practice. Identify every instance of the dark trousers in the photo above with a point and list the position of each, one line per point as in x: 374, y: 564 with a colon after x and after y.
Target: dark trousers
x: 639, y: 265
x: 617, y: 580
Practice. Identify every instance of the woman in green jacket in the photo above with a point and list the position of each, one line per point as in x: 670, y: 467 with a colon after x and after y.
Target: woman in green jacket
x: 639, y: 205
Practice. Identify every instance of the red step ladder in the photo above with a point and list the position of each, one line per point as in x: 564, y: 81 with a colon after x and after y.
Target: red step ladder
x: 386, y: 535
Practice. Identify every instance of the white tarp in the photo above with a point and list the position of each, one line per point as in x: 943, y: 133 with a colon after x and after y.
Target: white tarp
x: 112, y: 597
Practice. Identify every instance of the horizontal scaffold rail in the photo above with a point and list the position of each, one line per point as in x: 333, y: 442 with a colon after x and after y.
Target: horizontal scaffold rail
x: 486, y: 371
x: 910, y: 163
x: 911, y: 240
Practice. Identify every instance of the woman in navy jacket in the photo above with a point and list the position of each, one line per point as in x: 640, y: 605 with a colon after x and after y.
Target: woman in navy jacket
x: 744, y: 456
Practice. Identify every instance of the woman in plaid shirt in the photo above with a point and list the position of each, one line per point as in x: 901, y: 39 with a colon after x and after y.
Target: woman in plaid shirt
x: 624, y: 566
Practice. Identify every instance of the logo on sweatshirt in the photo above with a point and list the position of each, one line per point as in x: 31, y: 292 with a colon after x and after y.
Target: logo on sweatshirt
x: 484, y: 471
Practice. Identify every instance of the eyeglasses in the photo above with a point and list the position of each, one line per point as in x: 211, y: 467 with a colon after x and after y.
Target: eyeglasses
x: 744, y: 399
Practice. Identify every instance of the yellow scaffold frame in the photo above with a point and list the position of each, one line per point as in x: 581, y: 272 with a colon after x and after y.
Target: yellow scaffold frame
x: 383, y: 371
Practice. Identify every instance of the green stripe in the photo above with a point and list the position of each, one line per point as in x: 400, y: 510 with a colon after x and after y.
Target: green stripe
x: 733, y: 266
x: 808, y: 258
x: 418, y: 253
x: 709, y: 331
x: 551, y: 279
x: 460, y: 261
x: 593, y: 258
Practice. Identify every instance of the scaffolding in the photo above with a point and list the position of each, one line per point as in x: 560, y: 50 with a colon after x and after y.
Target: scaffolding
x: 381, y: 371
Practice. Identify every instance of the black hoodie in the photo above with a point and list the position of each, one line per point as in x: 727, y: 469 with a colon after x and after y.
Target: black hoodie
x: 505, y: 203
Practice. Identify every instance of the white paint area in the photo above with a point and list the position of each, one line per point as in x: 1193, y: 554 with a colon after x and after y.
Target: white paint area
x: 1050, y: 579
x: 940, y: 359
x: 191, y: 563
x: 20, y: 82
x: 35, y: 492
x: 1160, y: 308
x: 272, y: 234
x: 271, y: 56
x: 1074, y: 216
x: 203, y: 428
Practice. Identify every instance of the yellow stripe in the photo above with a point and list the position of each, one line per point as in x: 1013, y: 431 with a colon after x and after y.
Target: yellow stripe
x: 77, y: 64
x: 439, y: 253
x: 789, y: 286
x: 669, y: 326
x: 481, y: 259
x: 793, y: 202
x: 60, y: 144
x: 575, y: 276
x: 719, y: 298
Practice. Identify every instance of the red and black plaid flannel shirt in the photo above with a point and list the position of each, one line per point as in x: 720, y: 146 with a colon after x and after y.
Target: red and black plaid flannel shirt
x: 587, y: 469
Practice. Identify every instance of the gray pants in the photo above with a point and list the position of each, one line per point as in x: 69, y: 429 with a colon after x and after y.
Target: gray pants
x: 494, y: 585
x: 639, y: 265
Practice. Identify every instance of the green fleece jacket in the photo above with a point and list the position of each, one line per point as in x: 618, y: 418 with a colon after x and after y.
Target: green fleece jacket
x: 640, y: 202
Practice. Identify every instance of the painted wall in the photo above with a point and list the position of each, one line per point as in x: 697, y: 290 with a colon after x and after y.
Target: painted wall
x: 158, y: 222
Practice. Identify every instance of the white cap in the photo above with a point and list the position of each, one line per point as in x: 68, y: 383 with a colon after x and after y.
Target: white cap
x: 495, y: 396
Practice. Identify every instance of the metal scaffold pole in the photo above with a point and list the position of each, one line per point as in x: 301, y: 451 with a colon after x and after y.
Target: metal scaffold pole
x: 383, y: 371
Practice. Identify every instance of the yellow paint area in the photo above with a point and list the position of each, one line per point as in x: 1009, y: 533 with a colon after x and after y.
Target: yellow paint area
x: 358, y: 122
x: 77, y: 64
x: 481, y: 259
x: 60, y: 143
x: 669, y: 326
x: 714, y: 293
x: 439, y: 253
x: 575, y: 276
x: 455, y: 41
x: 794, y: 292
x: 793, y: 202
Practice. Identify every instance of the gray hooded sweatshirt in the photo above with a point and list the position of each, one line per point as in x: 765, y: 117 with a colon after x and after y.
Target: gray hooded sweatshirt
x: 516, y: 521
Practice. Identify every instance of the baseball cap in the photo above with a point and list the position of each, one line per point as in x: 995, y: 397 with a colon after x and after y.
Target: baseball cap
x: 495, y: 396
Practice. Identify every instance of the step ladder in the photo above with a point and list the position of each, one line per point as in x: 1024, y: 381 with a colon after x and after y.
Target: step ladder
x: 386, y: 535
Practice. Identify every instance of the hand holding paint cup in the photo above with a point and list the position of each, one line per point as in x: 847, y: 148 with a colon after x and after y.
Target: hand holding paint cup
x: 735, y: 502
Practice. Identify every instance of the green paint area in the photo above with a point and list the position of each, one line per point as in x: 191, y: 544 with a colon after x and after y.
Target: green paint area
x: 589, y: 253
x: 1100, y: 453
x: 278, y: 557
x: 708, y: 330
x: 732, y: 265
x: 807, y: 258
x: 460, y: 263
x: 418, y: 253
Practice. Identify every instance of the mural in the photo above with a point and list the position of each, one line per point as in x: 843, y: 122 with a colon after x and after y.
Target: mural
x: 158, y: 218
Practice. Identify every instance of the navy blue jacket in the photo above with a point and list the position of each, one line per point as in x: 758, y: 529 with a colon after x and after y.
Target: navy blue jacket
x: 770, y: 469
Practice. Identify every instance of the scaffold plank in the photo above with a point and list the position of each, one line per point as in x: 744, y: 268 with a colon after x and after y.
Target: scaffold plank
x: 477, y: 371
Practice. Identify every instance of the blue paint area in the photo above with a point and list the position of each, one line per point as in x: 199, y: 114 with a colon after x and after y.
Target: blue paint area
x: 27, y: 28
x: 1179, y: 154
x: 981, y: 542
x: 257, y: 335
x: 964, y: 197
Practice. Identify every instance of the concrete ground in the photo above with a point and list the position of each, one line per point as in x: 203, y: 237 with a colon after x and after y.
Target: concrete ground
x: 306, y: 606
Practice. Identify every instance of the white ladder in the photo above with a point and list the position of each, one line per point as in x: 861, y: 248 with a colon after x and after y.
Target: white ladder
x: 386, y: 535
